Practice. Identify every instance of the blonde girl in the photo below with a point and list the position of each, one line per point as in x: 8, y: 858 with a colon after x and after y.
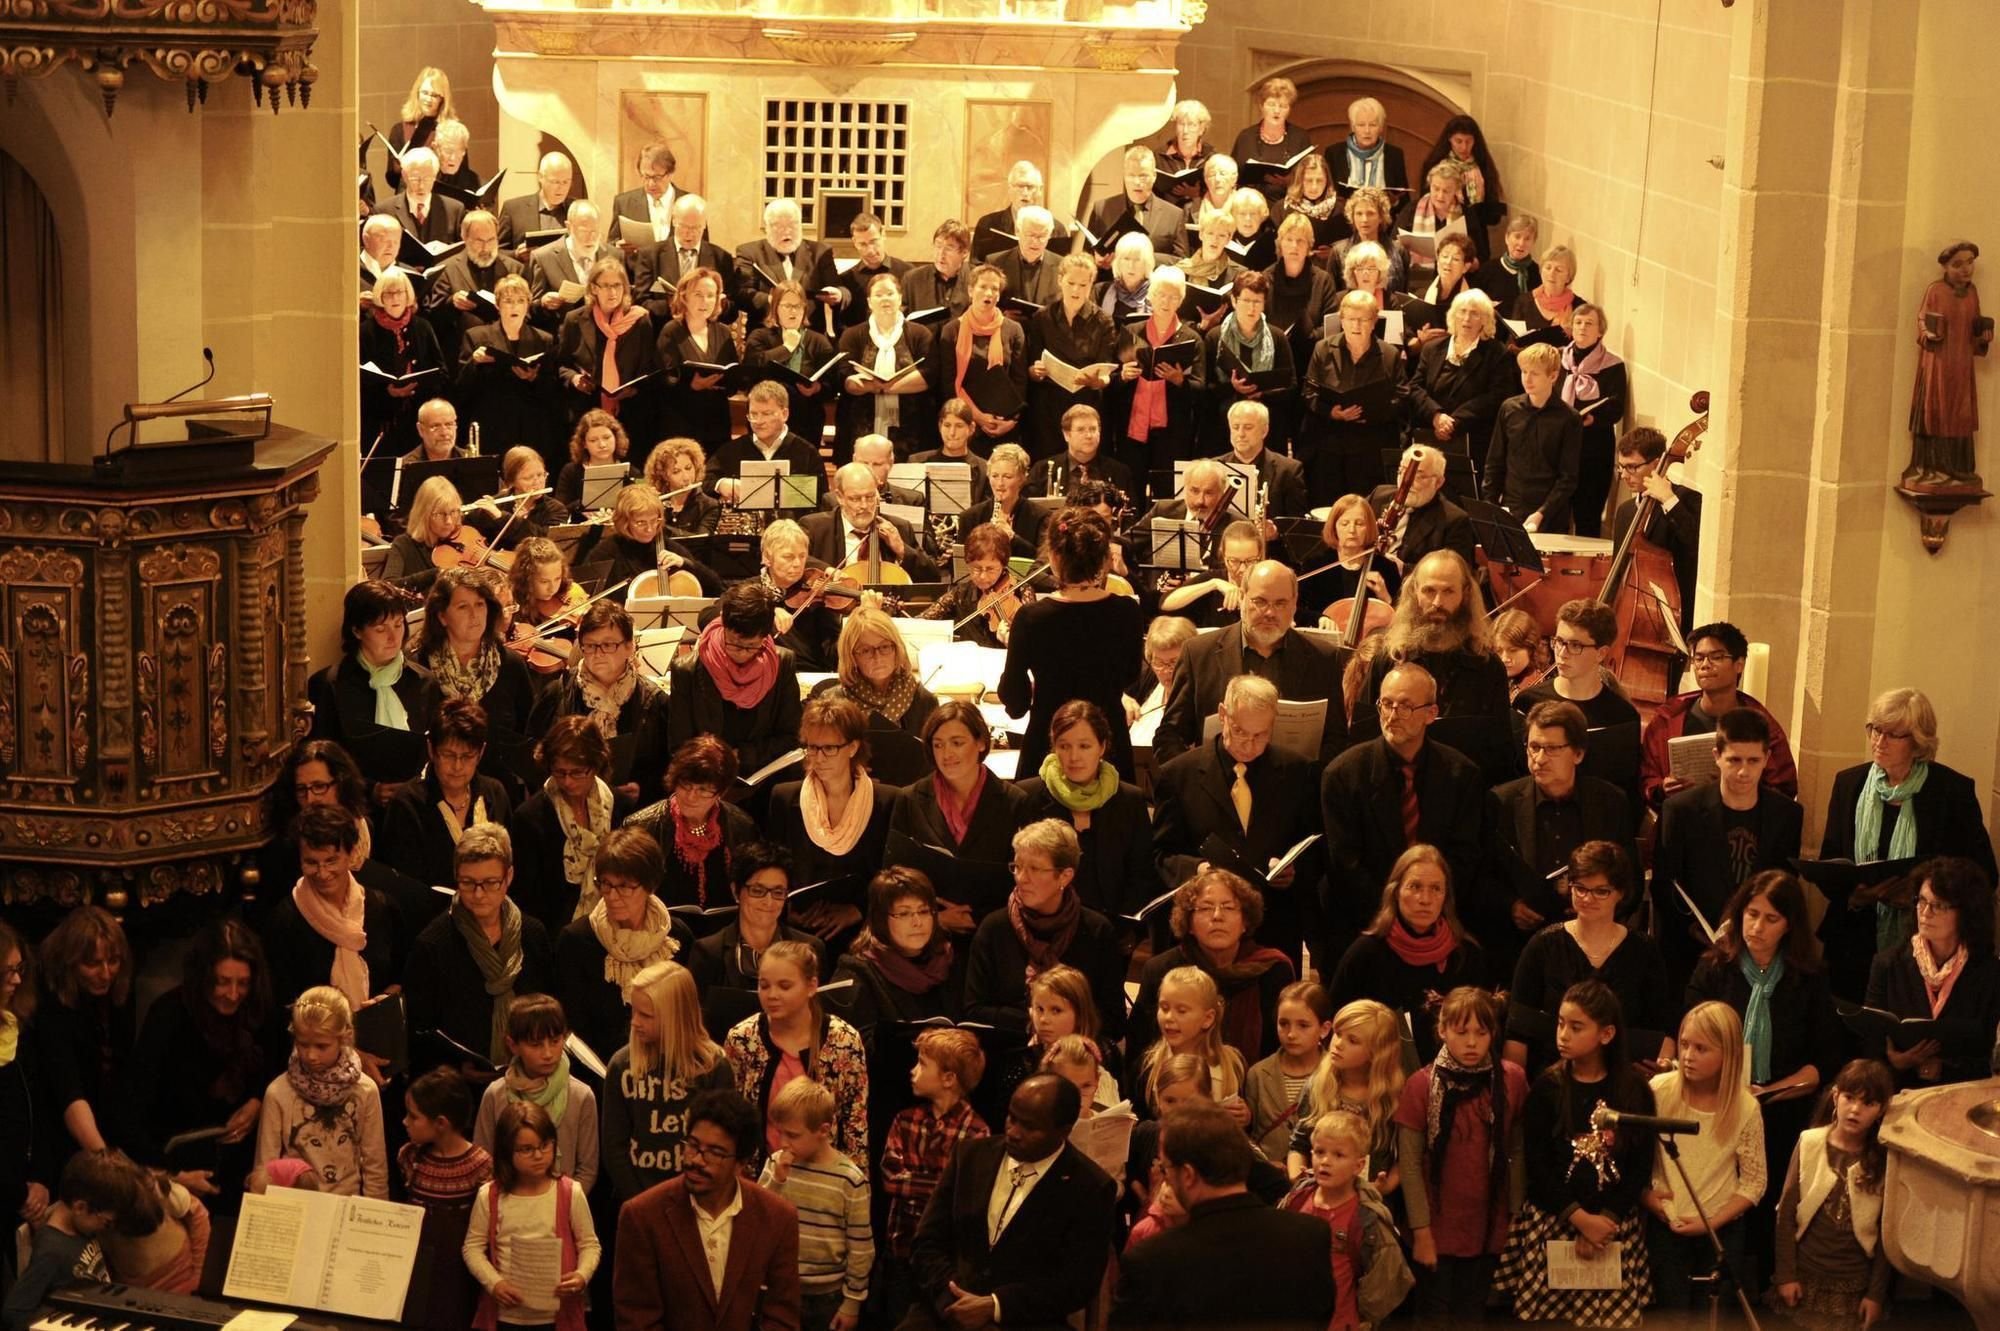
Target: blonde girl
x: 1077, y: 1060
x: 1190, y: 1022
x: 794, y: 1037
x: 1363, y: 1074
x: 649, y: 1084
x: 321, y: 1109
x: 1724, y: 1162
x: 528, y: 1201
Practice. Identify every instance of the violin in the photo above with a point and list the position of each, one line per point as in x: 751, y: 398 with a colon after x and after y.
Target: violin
x: 1000, y: 608
x: 1360, y: 614
x: 466, y: 549
x: 548, y: 655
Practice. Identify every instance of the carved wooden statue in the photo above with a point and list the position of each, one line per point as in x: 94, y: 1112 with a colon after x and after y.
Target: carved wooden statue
x: 1944, y: 408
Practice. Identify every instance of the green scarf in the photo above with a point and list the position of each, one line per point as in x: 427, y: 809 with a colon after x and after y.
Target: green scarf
x: 498, y: 967
x: 1075, y: 798
x: 550, y: 1092
x: 1757, y: 1012
x: 10, y: 1037
x: 1893, y: 924
x: 389, y: 709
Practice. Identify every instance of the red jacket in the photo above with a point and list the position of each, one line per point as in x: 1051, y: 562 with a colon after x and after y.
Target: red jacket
x: 1670, y: 722
x: 661, y: 1282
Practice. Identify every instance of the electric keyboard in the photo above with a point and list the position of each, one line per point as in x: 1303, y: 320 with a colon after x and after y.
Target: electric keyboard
x: 94, y: 1307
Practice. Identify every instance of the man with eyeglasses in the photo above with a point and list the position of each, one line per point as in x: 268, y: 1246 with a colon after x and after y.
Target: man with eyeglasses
x: 475, y: 959
x: 1715, y: 836
x: 1586, y: 630
x: 708, y: 1250
x: 767, y: 413
x: 841, y: 538
x: 1545, y: 815
x: 1263, y: 643
x: 566, y: 261
x: 1237, y: 790
x: 1394, y: 791
x: 437, y: 432
x: 1430, y: 521
x: 1217, y: 600
x: 653, y: 202
x: 1675, y: 525
x: 1720, y: 649
x: 542, y: 210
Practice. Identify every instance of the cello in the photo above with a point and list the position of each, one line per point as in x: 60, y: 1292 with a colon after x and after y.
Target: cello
x: 1641, y: 588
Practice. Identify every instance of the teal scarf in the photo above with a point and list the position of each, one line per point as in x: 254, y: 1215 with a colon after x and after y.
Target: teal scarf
x: 1255, y: 354
x: 1893, y: 924
x: 550, y: 1092
x: 1075, y: 798
x: 389, y: 710
x: 1757, y: 1012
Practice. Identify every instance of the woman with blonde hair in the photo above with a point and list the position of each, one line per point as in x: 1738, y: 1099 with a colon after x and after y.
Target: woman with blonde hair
x: 697, y: 401
x: 1459, y: 380
x: 1313, y: 196
x: 637, y: 543
x: 1189, y: 148
x: 651, y: 1081
x: 1342, y: 445
x: 436, y: 513
x: 1554, y: 302
x: 1273, y: 138
x: 877, y: 671
x: 1371, y: 221
x: 835, y: 818
x: 1523, y: 650
x: 427, y: 107
x: 1367, y: 157
x: 675, y: 468
x: 396, y: 340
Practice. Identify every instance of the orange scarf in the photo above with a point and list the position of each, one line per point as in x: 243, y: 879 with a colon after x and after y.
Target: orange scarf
x: 996, y: 349
x: 613, y: 329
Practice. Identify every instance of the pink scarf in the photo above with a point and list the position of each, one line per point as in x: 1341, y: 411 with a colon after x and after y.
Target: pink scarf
x: 1149, y: 395
x: 1580, y: 379
x: 957, y: 815
x: 341, y: 927
x: 837, y: 838
x: 607, y: 373
x: 1939, y: 980
x: 743, y: 684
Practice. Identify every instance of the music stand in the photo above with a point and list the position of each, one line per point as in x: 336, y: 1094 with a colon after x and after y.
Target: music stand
x: 602, y: 484
x: 947, y: 488
x: 1169, y: 541
x: 1461, y: 480
x: 1298, y: 537
x: 1503, y: 537
x: 470, y: 476
x: 757, y: 488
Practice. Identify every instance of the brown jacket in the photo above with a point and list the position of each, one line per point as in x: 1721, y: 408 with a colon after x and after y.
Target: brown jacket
x: 661, y: 1280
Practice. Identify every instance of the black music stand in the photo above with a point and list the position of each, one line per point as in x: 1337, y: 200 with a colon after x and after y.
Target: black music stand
x: 1505, y: 541
x: 472, y: 477
x: 1177, y: 549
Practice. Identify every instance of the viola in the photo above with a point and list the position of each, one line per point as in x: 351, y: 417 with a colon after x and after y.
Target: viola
x: 465, y: 549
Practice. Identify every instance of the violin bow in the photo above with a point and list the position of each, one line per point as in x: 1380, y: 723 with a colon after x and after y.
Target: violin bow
x: 1014, y: 585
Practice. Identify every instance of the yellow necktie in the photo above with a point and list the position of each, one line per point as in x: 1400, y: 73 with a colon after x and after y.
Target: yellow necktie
x: 1239, y: 795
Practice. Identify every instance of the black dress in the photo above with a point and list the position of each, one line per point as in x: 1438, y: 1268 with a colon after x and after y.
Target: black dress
x: 703, y: 415
x: 813, y: 863
x: 185, y: 1080
x: 1371, y: 969
x: 1345, y: 457
x: 396, y: 417
x: 1061, y: 650
x: 1089, y: 339
x: 85, y: 1054
x: 1551, y: 962
x: 508, y: 409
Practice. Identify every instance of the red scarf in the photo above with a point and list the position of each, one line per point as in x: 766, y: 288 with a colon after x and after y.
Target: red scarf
x: 693, y: 845
x: 399, y: 327
x: 958, y: 816
x: 742, y: 684
x: 1149, y: 395
x: 1045, y: 937
x: 607, y: 373
x: 912, y: 975
x: 996, y: 348
x: 1431, y: 949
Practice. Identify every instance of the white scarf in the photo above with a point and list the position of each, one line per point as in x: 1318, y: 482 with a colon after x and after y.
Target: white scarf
x: 837, y: 839
x: 629, y: 951
x: 888, y: 406
x: 580, y: 840
x: 456, y: 828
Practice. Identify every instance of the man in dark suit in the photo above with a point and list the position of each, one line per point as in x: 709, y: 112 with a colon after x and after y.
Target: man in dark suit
x: 1542, y: 817
x: 1382, y: 797
x: 941, y: 284
x: 1237, y: 1261
x: 1202, y: 793
x: 419, y: 210
x: 653, y: 202
x: 1019, y: 1229
x: 455, y: 305
x: 568, y: 260
x: 1083, y: 458
x: 1029, y: 266
x: 541, y: 211
x: 1164, y: 224
x: 1430, y: 521
x: 1675, y: 524
x: 665, y: 1250
x: 1281, y: 480
x: 1024, y: 190
x: 782, y: 255
x: 1262, y: 643
x: 838, y: 539
x: 870, y: 262
x: 768, y: 440
x: 1716, y: 836
x: 681, y: 249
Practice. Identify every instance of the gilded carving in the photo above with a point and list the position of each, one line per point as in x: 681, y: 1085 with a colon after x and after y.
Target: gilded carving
x: 22, y: 564
x: 218, y: 707
x: 179, y: 563
x: 149, y: 724
x: 79, y: 722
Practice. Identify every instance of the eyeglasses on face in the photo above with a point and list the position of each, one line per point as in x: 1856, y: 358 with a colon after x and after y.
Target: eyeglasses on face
x: 481, y: 886
x: 764, y: 893
x: 911, y: 914
x: 606, y: 646
x: 1562, y: 645
x: 825, y: 750
x: 1392, y: 707
x: 312, y: 790
x: 1712, y: 658
x: 1546, y: 750
x: 1601, y: 893
x: 714, y: 1155
x: 1883, y: 732
x: 1930, y: 905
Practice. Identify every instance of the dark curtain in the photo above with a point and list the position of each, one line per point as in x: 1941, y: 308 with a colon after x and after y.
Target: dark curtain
x: 31, y: 424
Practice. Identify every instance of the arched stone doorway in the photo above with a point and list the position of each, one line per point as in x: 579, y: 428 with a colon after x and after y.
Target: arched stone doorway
x: 1418, y: 105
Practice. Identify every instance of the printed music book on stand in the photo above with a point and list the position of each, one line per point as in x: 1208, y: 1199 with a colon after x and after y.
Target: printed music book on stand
x: 1175, y: 543
x: 603, y: 482
x: 350, y: 1255
x: 947, y: 487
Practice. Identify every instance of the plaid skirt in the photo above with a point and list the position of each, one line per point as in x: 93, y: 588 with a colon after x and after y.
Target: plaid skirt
x: 1524, y: 1273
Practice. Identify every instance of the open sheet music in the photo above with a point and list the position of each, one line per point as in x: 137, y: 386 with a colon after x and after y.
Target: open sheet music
x: 349, y: 1255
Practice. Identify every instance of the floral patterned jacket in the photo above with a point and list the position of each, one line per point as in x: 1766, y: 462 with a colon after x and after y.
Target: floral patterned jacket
x: 842, y: 1067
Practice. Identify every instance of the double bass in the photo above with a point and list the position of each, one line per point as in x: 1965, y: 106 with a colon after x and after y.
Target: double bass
x: 1641, y: 589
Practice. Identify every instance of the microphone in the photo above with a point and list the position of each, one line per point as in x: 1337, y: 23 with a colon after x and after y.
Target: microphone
x: 1611, y: 1118
x: 208, y: 356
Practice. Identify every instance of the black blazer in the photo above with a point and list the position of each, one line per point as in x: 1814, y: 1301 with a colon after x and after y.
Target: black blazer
x: 1039, y: 286
x: 526, y: 213
x: 812, y: 268
x: 1950, y: 820
x: 1308, y: 669
x: 854, y: 413
x: 1361, y: 801
x: 1607, y: 816
x: 1050, y: 1259
x: 716, y: 961
x: 1438, y: 525
x: 812, y: 864
x: 664, y: 260
x: 1027, y: 524
x: 444, y: 991
x: 1692, y: 848
x: 1191, y: 802
x: 580, y: 350
x: 989, y: 838
x: 1117, y: 875
x: 996, y: 976
x: 540, y: 888
x: 1237, y: 1261
x: 1165, y: 223
x: 413, y: 837
x: 1470, y: 394
x: 593, y: 1004
x: 764, y: 732
x: 344, y: 712
x: 441, y: 219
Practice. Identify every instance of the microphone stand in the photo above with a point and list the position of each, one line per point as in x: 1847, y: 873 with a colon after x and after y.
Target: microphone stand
x: 1722, y: 1270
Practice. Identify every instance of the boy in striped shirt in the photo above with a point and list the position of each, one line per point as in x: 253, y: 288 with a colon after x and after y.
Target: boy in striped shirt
x: 836, y: 1243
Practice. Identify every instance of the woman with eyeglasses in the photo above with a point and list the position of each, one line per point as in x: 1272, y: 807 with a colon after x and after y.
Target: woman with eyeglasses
x: 1415, y: 951
x: 606, y: 686
x: 962, y: 809
x: 877, y: 672
x: 738, y: 684
x: 700, y: 832
x: 835, y: 820
x: 638, y: 544
x: 1945, y: 972
x: 427, y: 815
x: 1214, y: 920
x: 558, y: 829
x: 607, y: 343
x: 1904, y: 804
x: 761, y: 878
x: 628, y: 928
x: 1114, y: 831
x: 1593, y: 945
x: 1043, y: 925
x: 903, y: 967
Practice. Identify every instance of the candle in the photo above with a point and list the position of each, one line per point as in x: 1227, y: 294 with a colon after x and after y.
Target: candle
x: 1757, y: 671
